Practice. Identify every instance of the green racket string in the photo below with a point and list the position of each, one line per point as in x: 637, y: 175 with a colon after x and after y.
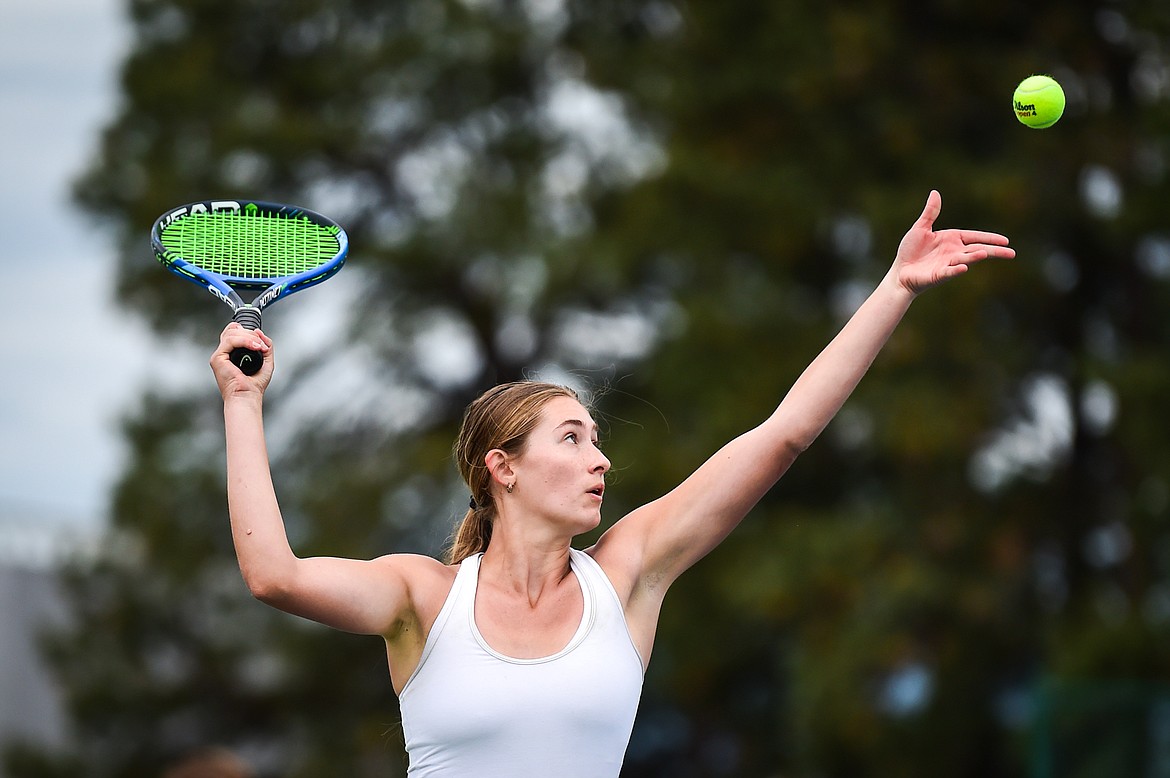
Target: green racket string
x: 251, y: 245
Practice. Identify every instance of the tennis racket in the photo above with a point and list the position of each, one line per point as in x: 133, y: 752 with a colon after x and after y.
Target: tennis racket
x: 233, y: 246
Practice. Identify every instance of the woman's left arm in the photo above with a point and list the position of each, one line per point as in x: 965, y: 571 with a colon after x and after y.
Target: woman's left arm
x: 653, y: 545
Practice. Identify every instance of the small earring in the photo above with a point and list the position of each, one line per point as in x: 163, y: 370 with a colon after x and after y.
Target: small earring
x: 510, y: 487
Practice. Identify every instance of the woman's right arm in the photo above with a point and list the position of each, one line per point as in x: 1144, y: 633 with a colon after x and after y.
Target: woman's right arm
x: 368, y: 597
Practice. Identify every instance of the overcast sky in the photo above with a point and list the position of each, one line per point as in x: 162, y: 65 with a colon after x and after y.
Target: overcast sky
x: 65, y: 379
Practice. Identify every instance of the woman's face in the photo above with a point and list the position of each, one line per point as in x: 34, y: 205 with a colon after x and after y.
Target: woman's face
x: 561, y: 472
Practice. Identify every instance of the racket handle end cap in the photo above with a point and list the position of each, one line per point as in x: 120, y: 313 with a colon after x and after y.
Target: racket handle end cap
x: 248, y: 361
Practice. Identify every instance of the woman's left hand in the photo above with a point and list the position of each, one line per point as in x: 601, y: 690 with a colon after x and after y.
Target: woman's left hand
x: 927, y: 257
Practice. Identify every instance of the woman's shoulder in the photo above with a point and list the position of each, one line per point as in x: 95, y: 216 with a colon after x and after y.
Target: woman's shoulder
x: 428, y: 581
x: 420, y: 569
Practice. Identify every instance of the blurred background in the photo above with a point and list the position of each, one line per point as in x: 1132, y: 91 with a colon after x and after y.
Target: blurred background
x: 672, y: 206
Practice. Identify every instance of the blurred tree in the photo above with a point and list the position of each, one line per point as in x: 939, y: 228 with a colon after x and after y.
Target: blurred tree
x: 678, y: 203
x: 992, y: 504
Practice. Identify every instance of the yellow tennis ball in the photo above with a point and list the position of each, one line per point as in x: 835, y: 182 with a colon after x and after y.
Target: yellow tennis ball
x: 1038, y: 101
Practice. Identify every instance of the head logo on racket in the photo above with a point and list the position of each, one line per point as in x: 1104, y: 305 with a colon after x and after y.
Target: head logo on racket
x: 233, y: 246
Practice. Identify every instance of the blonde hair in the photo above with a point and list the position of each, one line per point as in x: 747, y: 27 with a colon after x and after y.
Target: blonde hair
x: 502, y: 418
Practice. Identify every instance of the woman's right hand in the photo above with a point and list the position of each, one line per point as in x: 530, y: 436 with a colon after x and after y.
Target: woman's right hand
x: 231, y: 380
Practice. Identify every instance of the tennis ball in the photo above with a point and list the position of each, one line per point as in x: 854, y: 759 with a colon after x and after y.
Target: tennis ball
x: 1039, y: 102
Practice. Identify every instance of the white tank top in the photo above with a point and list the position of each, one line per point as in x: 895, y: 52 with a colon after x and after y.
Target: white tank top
x: 469, y: 711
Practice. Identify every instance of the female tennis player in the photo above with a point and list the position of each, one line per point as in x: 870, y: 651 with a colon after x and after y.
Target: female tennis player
x: 520, y: 655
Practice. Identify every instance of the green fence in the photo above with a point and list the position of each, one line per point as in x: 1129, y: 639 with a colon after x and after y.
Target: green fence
x: 1095, y: 729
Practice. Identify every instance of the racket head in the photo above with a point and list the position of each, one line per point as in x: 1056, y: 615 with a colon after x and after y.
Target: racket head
x: 230, y: 246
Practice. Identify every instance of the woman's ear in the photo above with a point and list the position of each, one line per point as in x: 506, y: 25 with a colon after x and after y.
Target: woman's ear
x: 499, y: 464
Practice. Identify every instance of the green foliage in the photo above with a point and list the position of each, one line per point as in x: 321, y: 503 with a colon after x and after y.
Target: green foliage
x: 991, y: 506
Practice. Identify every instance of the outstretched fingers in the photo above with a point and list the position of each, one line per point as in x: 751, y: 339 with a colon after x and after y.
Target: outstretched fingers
x: 927, y: 256
x: 972, y: 237
x: 976, y: 245
x: 978, y: 251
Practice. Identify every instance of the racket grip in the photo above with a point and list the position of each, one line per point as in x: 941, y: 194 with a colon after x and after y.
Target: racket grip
x: 248, y: 361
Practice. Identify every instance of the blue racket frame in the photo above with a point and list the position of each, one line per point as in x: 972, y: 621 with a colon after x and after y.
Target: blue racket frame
x: 228, y: 287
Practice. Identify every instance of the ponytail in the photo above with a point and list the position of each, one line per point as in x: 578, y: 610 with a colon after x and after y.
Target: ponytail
x: 472, y: 535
